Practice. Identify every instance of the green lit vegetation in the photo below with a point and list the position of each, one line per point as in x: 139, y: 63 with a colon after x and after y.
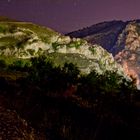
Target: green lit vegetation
x: 31, y: 51
x: 61, y: 59
x: 45, y: 34
x: 55, y: 45
x: 75, y: 44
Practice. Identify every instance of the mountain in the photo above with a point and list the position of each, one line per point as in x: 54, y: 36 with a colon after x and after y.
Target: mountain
x: 21, y: 40
x: 129, y: 56
x: 122, y: 39
x: 52, y: 100
x: 104, y: 34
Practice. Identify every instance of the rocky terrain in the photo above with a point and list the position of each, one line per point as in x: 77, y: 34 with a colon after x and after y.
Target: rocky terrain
x: 26, y: 40
x: 122, y: 39
x: 129, y: 57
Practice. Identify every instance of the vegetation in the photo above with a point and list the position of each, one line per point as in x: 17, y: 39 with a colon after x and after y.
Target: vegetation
x: 75, y: 44
x: 62, y: 103
x: 45, y: 34
x: 53, y: 95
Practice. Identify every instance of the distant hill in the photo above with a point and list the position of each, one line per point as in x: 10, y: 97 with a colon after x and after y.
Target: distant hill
x: 104, y: 34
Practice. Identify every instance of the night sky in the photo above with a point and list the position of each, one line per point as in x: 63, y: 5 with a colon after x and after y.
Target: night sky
x: 68, y: 15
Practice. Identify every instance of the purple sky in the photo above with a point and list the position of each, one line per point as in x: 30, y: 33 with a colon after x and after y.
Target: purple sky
x: 68, y: 15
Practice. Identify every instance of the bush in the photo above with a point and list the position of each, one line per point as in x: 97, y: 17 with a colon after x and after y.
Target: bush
x: 2, y: 64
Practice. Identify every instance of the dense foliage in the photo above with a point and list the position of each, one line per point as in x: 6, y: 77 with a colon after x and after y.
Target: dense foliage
x: 64, y: 104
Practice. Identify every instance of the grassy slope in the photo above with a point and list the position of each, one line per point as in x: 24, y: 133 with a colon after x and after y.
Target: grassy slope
x: 42, y: 32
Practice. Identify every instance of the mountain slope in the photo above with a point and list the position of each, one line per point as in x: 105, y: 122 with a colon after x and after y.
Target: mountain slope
x: 129, y: 57
x: 104, y: 34
x: 122, y: 39
x: 26, y: 40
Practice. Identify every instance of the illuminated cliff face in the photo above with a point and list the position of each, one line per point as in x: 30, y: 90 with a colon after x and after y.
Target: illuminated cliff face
x: 131, y: 72
x: 129, y: 57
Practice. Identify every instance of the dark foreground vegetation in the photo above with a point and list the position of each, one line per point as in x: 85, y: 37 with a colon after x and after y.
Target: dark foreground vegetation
x: 62, y: 104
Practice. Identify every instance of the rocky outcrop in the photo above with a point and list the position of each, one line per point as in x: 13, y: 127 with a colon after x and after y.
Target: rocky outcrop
x: 129, y: 57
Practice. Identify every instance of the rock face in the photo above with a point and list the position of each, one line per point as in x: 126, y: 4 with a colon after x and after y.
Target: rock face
x: 129, y: 57
x: 26, y: 40
x: 122, y: 39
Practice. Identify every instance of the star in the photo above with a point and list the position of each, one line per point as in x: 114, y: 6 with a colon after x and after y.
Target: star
x: 9, y: 0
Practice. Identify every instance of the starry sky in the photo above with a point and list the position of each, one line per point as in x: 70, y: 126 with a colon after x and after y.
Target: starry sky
x: 69, y: 15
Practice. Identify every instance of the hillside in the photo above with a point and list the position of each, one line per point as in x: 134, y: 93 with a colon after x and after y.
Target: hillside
x: 104, y: 34
x: 119, y: 38
x: 26, y: 40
